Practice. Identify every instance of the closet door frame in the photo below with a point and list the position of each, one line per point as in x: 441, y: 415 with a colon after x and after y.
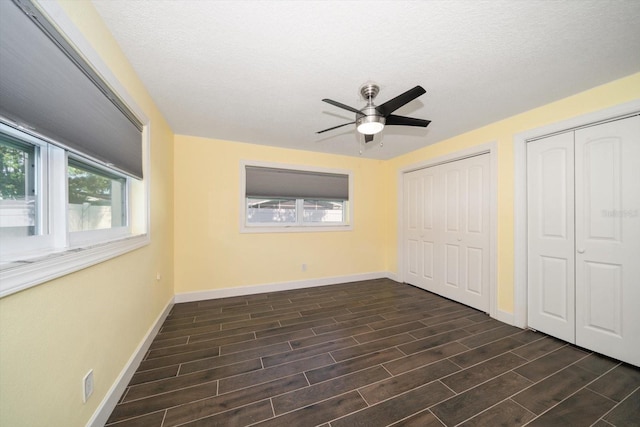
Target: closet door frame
x: 520, y: 191
x: 489, y: 148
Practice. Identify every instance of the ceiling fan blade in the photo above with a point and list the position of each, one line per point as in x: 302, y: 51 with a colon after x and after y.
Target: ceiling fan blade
x: 368, y: 138
x: 336, y: 127
x: 340, y: 105
x: 393, y: 104
x: 406, y: 121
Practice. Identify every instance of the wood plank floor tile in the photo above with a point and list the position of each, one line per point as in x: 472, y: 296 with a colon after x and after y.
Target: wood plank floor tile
x: 399, y: 384
x: 627, y: 412
x: 154, y: 374
x: 329, y: 336
x: 263, y: 342
x: 183, y: 381
x: 203, y: 408
x: 433, y: 341
x: 327, y: 389
x: 617, y: 383
x: 176, y: 359
x: 551, y: 363
x: 468, y: 404
x: 425, y: 357
x: 396, y: 409
x: 491, y: 335
x: 581, y: 409
x: 505, y: 413
x: 597, y: 363
x: 268, y: 374
x: 539, y: 348
x: 151, y: 420
x: 347, y: 324
x: 486, y: 351
x: 421, y: 419
x: 163, y: 401
x: 554, y: 389
x: 474, y: 375
x: 459, y: 323
x: 306, y: 352
x: 318, y: 413
x: 229, y: 359
x: 370, y: 347
x: 238, y: 417
x: 351, y: 365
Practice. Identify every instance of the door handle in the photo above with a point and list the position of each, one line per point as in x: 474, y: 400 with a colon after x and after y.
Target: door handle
x: 459, y: 239
x: 581, y: 250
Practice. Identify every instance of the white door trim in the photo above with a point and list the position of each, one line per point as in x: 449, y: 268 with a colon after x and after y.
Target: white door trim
x: 520, y: 192
x: 490, y: 148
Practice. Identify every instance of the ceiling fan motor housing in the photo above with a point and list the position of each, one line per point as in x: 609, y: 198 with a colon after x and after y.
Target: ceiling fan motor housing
x: 371, y: 122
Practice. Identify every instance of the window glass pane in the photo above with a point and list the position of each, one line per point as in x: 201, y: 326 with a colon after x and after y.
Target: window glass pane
x: 271, y: 210
x: 18, y: 204
x: 96, y: 199
x: 326, y: 211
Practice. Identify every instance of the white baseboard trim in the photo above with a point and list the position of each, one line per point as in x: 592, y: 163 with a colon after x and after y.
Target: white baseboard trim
x: 274, y: 287
x: 106, y: 407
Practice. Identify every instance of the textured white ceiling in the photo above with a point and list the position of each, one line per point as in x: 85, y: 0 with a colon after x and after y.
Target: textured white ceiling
x: 256, y: 71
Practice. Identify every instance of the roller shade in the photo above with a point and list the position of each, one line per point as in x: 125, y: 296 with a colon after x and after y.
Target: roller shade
x: 48, y: 89
x: 295, y: 184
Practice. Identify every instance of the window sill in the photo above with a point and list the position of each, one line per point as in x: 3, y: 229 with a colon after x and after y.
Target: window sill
x: 20, y: 275
x: 294, y: 228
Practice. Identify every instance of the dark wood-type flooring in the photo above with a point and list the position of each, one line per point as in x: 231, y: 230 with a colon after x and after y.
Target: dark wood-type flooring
x: 371, y: 353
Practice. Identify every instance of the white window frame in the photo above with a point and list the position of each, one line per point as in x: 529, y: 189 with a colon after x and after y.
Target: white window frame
x: 58, y: 253
x: 300, y: 226
x: 87, y: 237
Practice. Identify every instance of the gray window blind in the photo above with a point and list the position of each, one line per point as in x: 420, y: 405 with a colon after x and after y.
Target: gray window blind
x: 295, y: 184
x: 48, y: 89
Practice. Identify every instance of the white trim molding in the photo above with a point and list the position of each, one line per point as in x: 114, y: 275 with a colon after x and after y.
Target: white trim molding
x: 275, y: 287
x: 490, y: 148
x: 520, y: 190
x: 108, y: 404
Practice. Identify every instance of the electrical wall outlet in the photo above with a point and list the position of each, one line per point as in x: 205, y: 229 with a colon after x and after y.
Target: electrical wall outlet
x: 304, y: 267
x: 87, y: 386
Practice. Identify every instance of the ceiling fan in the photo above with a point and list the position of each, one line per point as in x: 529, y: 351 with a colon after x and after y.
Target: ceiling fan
x: 372, y: 119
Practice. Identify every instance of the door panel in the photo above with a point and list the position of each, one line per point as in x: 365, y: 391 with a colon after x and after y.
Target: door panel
x: 450, y: 204
x: 550, y: 270
x: 608, y: 239
x: 467, y: 231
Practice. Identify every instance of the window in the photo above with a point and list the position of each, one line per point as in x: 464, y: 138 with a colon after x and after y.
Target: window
x: 72, y: 192
x: 97, y: 199
x: 19, y: 213
x: 283, y: 198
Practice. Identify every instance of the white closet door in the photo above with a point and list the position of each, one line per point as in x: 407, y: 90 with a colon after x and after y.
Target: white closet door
x: 608, y: 239
x: 446, y: 231
x: 420, y: 233
x: 466, y: 231
x: 550, y: 200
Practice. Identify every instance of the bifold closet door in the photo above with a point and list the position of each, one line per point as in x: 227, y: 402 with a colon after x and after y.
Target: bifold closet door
x: 607, y: 171
x: 550, y: 219
x: 446, y: 231
x: 583, y: 278
x: 419, y: 230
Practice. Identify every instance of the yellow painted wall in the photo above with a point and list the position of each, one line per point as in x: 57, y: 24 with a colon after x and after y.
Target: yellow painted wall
x: 51, y: 335
x: 503, y: 132
x: 210, y: 251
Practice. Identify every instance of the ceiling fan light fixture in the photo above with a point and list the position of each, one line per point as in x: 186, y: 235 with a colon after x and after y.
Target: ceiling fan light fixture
x: 370, y: 125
